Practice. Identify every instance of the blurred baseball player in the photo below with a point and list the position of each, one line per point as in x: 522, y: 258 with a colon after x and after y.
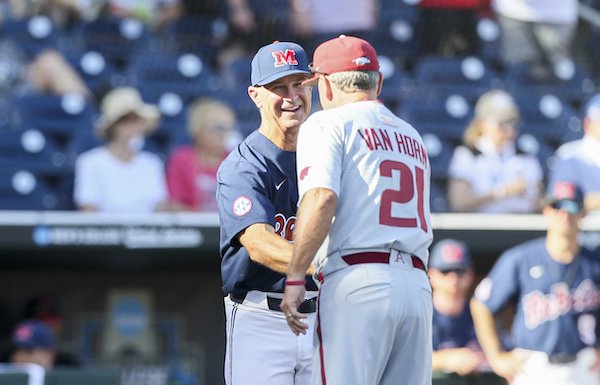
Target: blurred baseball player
x: 455, y: 346
x: 257, y: 197
x: 554, y: 282
x: 364, y: 180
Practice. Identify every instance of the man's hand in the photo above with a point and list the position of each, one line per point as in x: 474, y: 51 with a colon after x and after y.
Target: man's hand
x: 292, y: 298
x: 508, y: 364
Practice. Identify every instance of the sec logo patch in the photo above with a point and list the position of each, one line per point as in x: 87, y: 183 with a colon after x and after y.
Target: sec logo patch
x: 242, y: 206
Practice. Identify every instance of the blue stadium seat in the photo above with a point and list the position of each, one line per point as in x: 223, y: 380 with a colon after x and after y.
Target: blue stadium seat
x: 570, y: 81
x: 59, y: 118
x: 33, y: 150
x: 236, y: 74
x: 116, y: 39
x: 33, y: 34
x: 248, y: 116
x: 488, y: 33
x: 395, y: 34
x: 199, y: 35
x: 530, y: 145
x: 438, y: 199
x: 440, y: 152
x: 446, y: 117
x: 172, y: 129
x: 22, y: 189
x: 397, y: 83
x: 186, y: 75
x: 548, y: 118
x: 99, y: 74
x: 467, y: 76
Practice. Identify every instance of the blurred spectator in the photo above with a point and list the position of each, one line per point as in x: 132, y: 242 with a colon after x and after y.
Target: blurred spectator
x: 537, y: 32
x: 119, y: 176
x: 63, y: 13
x: 579, y: 161
x: 45, y: 308
x: 488, y: 173
x: 48, y: 71
x: 192, y: 170
x: 253, y: 24
x: 449, y: 27
x: 313, y: 23
x: 33, y: 342
x: 156, y: 13
x: 455, y: 346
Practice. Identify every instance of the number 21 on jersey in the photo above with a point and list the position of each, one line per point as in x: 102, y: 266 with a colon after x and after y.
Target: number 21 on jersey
x: 411, y: 184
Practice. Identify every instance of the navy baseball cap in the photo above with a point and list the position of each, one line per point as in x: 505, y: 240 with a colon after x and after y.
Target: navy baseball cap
x: 592, y: 108
x: 276, y: 60
x: 33, y: 334
x: 566, y: 195
x: 450, y: 254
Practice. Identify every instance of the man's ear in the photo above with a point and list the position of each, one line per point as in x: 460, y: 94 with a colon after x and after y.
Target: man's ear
x: 254, y: 94
x: 380, y: 84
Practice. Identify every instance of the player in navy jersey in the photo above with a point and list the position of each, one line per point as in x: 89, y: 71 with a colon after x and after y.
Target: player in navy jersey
x: 455, y: 346
x: 257, y: 197
x: 555, y: 283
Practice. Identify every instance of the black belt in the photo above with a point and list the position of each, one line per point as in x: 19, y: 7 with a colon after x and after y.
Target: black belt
x: 562, y: 358
x: 273, y: 303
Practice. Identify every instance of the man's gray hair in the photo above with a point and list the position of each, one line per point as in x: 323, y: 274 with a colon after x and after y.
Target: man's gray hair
x: 352, y: 81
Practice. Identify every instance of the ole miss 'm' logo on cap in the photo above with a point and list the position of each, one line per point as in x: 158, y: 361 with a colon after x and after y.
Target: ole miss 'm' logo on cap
x: 23, y: 333
x: 452, y: 253
x: 284, y: 58
x: 564, y: 190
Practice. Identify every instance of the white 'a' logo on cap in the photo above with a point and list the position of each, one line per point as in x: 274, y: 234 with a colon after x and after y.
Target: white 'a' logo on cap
x: 361, y: 61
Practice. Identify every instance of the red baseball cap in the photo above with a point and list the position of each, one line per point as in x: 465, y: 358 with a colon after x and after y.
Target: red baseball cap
x: 343, y: 53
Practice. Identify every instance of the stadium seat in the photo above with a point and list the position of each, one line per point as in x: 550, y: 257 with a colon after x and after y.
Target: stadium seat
x: 440, y: 151
x: 33, y: 34
x: 569, y: 80
x: 467, y: 76
x: 117, y: 39
x: 186, y: 75
x: 446, y: 117
x: 395, y: 34
x: 397, y: 83
x: 548, y: 118
x: 488, y: 33
x: 236, y: 75
x: 60, y: 118
x: 22, y: 189
x: 199, y: 35
x: 172, y: 129
x: 33, y: 150
x: 98, y: 73
x: 438, y: 199
x: 248, y: 116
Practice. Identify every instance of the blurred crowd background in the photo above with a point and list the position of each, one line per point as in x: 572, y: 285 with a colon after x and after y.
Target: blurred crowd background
x: 59, y: 58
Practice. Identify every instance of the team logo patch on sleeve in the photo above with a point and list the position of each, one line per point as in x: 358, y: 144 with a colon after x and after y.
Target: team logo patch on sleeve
x: 242, y: 206
x: 304, y: 173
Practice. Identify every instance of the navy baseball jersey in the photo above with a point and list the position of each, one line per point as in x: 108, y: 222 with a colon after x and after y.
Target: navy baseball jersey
x: 451, y: 332
x: 557, y: 304
x: 256, y: 184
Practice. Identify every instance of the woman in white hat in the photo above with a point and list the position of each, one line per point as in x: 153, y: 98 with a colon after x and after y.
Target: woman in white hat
x: 119, y: 176
x: 488, y: 173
